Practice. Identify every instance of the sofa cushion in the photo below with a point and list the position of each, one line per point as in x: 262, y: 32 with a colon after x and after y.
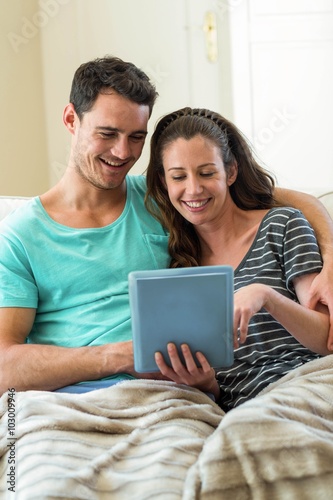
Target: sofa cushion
x: 8, y: 203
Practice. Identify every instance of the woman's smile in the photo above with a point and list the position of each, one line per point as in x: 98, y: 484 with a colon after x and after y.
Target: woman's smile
x: 197, y: 205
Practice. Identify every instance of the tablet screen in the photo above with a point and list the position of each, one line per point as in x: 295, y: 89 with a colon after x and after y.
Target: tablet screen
x: 188, y: 305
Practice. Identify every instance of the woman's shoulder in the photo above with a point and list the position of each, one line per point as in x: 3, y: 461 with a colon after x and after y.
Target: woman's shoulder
x: 278, y: 214
x: 287, y: 211
x: 283, y: 220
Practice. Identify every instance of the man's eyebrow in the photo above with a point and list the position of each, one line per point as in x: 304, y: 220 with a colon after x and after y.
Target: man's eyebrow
x: 115, y: 129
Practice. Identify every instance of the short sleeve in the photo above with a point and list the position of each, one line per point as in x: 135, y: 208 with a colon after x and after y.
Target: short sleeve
x: 18, y: 287
x: 301, y: 250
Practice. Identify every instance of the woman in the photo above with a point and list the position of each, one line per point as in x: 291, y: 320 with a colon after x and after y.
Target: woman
x: 217, y: 203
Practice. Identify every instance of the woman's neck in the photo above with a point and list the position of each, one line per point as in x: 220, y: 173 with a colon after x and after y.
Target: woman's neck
x: 229, y: 242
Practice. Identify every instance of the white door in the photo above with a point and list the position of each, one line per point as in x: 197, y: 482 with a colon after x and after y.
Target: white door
x: 282, y: 86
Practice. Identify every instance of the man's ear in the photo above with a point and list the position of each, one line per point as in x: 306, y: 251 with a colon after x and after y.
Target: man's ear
x: 233, y: 172
x: 70, y: 118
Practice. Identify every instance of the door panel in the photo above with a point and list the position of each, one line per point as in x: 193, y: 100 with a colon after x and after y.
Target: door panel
x: 282, y: 80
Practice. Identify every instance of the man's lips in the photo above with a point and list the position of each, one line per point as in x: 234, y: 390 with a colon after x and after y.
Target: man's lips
x: 115, y: 164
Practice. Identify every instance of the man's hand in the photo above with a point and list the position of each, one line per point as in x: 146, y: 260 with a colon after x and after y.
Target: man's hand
x: 321, y: 291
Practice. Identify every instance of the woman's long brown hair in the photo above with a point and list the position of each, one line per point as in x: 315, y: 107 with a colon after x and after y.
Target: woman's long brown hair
x: 253, y: 188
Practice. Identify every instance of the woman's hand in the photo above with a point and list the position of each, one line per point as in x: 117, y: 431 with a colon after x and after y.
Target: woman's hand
x: 202, y: 377
x: 309, y: 327
x: 247, y: 302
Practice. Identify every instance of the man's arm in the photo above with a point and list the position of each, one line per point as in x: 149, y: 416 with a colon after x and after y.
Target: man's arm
x: 46, y: 367
x: 316, y: 214
x: 321, y: 289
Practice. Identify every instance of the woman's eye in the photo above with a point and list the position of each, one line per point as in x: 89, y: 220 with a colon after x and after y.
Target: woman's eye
x: 207, y: 174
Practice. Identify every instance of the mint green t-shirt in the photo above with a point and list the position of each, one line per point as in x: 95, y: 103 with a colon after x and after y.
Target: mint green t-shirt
x: 77, y: 279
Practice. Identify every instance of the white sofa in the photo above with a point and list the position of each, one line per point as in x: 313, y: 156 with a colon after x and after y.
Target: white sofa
x: 155, y: 439
x: 8, y: 203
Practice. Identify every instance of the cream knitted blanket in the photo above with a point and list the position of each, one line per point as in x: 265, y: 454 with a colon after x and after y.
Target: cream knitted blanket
x: 151, y: 439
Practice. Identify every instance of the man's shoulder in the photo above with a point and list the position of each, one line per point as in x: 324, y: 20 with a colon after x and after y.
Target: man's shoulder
x: 136, y: 190
x: 137, y: 183
x: 22, y: 218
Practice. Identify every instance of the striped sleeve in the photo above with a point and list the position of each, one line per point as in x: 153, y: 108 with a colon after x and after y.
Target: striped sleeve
x: 300, y: 248
x: 285, y: 247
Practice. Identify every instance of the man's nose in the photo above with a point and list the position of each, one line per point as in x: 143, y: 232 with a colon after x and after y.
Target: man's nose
x: 121, y: 149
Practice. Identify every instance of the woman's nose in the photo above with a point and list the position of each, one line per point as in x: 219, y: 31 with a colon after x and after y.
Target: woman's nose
x: 194, y: 185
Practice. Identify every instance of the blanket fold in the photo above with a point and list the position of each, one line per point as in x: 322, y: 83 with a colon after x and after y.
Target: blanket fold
x: 136, y: 439
x: 279, y: 445
x: 146, y: 439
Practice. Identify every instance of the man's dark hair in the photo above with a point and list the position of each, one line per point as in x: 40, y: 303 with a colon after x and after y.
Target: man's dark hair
x: 103, y: 74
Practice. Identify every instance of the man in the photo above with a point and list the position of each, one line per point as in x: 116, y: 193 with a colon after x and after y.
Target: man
x: 65, y: 256
x: 79, y: 241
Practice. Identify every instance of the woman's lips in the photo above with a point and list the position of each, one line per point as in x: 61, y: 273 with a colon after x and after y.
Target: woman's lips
x: 196, y: 204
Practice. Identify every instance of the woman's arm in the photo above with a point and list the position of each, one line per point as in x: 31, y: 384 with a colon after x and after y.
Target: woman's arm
x: 309, y: 327
x: 321, y: 289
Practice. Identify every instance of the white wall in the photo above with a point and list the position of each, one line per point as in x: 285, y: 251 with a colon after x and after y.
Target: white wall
x: 166, y: 39
x: 24, y: 163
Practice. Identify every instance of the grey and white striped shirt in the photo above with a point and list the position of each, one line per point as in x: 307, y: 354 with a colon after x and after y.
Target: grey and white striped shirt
x: 285, y: 247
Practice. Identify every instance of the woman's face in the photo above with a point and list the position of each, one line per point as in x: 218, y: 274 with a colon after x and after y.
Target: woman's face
x: 196, y: 180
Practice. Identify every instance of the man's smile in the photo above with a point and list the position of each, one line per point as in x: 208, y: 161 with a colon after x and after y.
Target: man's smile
x: 113, y: 163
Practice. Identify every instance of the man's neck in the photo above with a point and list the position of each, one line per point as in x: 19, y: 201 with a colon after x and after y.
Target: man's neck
x: 79, y: 204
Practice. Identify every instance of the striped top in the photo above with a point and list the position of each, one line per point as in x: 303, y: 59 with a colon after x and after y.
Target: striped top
x: 284, y: 248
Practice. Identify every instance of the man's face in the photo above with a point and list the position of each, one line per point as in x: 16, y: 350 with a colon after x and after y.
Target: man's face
x: 109, y: 140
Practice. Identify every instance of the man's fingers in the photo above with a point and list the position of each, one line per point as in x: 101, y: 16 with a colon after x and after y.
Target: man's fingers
x: 330, y: 335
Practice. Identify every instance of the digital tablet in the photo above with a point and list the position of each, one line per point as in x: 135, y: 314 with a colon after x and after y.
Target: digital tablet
x: 191, y: 305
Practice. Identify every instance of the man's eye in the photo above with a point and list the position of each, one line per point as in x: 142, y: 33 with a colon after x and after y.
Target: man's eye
x: 105, y: 135
x: 138, y: 138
